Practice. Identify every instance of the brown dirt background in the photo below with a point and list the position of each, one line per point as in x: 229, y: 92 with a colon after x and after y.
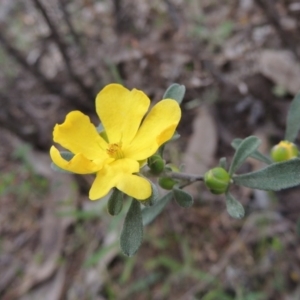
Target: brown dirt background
x: 239, y: 60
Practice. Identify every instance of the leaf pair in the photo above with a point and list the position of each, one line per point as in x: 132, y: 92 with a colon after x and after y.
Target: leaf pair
x: 274, y: 177
x: 181, y: 197
x: 132, y: 233
x: 244, y: 149
x: 176, y: 92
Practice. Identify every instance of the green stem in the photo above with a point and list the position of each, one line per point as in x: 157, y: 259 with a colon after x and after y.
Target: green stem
x: 188, y: 178
x: 183, y: 176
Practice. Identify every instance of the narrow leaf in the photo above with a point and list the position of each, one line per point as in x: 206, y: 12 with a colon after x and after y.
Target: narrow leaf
x: 223, y: 163
x: 244, y: 150
x: 115, y: 202
x: 100, y: 128
x: 176, y: 92
x: 65, y: 155
x: 102, y: 132
x: 183, y: 198
x: 175, y: 136
x: 234, y: 208
x: 292, y: 122
x: 150, y: 213
x: 132, y: 233
x: 161, y: 149
x: 154, y: 196
x: 275, y: 177
x: 256, y: 154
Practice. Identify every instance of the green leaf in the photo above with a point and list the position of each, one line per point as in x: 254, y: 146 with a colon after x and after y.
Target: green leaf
x: 275, y: 177
x: 256, y: 154
x: 175, y: 136
x: 161, y: 149
x: 150, y: 213
x: 292, y: 122
x: 183, y: 198
x: 244, y: 150
x: 132, y: 233
x: 176, y: 92
x: 223, y: 163
x: 153, y: 198
x: 100, y: 128
x: 115, y: 202
x: 102, y: 132
x: 65, y: 155
x: 234, y: 208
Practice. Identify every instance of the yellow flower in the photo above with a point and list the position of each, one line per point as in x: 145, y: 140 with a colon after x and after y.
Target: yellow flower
x: 283, y: 151
x: 131, y: 137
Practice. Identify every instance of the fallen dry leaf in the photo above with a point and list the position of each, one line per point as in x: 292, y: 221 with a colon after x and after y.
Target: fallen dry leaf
x: 282, y: 68
x: 201, y: 147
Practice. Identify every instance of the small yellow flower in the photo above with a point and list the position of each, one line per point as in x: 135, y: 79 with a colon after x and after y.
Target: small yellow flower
x: 283, y: 151
x: 132, y: 137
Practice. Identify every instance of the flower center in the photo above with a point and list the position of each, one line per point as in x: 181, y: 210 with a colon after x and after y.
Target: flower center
x: 115, y: 150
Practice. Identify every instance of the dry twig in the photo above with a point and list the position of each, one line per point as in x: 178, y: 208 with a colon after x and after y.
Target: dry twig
x: 243, y: 237
x: 63, y: 50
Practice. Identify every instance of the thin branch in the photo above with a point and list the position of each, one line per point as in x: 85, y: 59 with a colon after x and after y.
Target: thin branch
x: 20, y: 58
x: 67, y: 18
x: 63, y: 49
x: 188, y: 178
x: 51, y: 86
x: 76, y: 37
x: 242, y: 238
x: 184, y: 176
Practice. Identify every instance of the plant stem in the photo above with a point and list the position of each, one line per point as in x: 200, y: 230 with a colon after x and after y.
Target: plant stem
x: 183, y: 176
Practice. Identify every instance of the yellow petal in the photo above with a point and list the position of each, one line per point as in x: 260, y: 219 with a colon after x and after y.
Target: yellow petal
x: 157, y: 128
x: 119, y: 174
x: 121, y: 112
x: 79, y: 135
x: 135, y: 186
x: 78, y: 164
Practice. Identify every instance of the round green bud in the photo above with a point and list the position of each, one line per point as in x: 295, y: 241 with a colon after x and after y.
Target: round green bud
x: 285, y: 150
x: 156, y: 164
x: 217, y: 180
x: 166, y: 183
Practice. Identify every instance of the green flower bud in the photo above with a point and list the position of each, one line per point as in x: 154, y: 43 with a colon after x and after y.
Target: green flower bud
x: 166, y: 183
x: 217, y: 180
x: 285, y: 150
x: 156, y: 164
